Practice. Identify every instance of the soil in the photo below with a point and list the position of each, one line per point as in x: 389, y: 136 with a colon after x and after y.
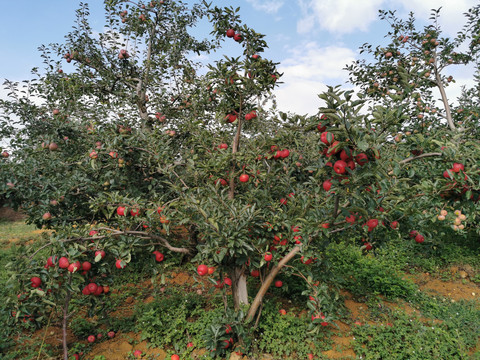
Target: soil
x: 119, y: 347
x: 8, y: 214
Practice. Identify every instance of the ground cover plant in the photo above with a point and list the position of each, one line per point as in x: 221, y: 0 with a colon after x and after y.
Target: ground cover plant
x: 137, y: 161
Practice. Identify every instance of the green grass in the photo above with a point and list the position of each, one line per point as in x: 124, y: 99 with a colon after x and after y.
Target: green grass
x: 16, y: 230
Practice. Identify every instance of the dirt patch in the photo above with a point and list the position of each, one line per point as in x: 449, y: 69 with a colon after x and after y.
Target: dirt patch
x: 9, y: 214
x: 454, y: 290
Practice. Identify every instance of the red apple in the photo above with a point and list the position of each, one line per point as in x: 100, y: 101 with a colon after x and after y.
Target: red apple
x: 237, y: 37
x: 101, y: 253
x: 230, y: 33
x: 111, y: 334
x: 55, y: 112
x: 340, y: 167
x: 327, y: 138
x: 202, y: 270
x: 175, y: 357
x: 223, y: 146
x: 268, y: 256
x: 137, y: 354
x: 361, y: 159
x: 120, y: 264
x: 282, y: 312
x: 91, y: 338
x: 121, y: 211
x: 457, y: 167
x: 327, y: 185
x: 47, y: 216
x: 51, y: 261
x: 93, y: 154
x: 86, y: 266
x: 419, y: 238
x: 36, y: 281
x: 228, y: 281
x: 134, y: 212
x: 244, y: 178
x: 278, y: 283
x: 255, y: 273
x: 5, y: 154
x: 63, y: 263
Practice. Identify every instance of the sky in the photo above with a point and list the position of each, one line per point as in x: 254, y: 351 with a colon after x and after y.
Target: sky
x: 313, y: 40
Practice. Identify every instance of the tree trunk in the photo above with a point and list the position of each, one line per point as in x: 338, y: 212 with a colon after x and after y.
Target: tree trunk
x: 268, y: 281
x: 64, y: 325
x: 239, y: 287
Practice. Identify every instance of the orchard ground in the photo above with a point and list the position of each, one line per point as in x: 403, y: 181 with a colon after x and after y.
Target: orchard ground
x: 430, y: 306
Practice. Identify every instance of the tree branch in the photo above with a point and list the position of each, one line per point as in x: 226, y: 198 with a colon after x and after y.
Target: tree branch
x: 407, y: 160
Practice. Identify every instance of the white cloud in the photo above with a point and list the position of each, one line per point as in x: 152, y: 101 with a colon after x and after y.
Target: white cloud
x: 338, y: 16
x: 348, y: 16
x: 269, y: 6
x: 451, y: 15
x: 307, y: 72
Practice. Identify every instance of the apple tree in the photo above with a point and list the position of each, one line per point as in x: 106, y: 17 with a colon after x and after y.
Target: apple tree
x: 123, y: 140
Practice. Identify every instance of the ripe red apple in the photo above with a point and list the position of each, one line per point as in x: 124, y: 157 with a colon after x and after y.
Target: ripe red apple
x: 278, y: 283
x: 327, y: 138
x: 113, y: 154
x: 91, y: 338
x: 228, y: 281
x: 230, y: 33
x: 106, y: 289
x: 93, y: 154
x: 388, y: 54
x: 101, y: 253
x: 51, y: 261
x: 419, y: 238
x: 237, y: 37
x: 92, y: 287
x: 134, y: 212
x: 111, y: 334
x: 222, y: 182
x: 223, y: 146
x: 120, y: 264
x: 55, y: 112
x: 190, y: 344
x: 159, y: 257
x: 99, y: 290
x: 47, y: 216
x: 36, y: 281
x: 394, y: 225
x: 361, y: 159
x: 244, y: 178
x: 268, y: 256
x: 73, y: 267
x: 255, y: 56
x: 121, y: 211
x: 340, y: 167
x: 211, y: 270
x: 446, y: 174
x: 202, y: 270
x: 63, y: 263
x: 368, y: 246
x: 255, y: 273
x: 413, y: 233
x: 283, y: 201
x: 5, y: 154
x: 457, y: 167
x: 137, y: 354
x: 327, y: 185
x: 86, y: 266
x: 372, y: 224
x: 282, y: 312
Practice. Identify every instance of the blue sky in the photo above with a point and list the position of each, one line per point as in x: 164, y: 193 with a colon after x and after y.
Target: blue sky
x: 312, y: 39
